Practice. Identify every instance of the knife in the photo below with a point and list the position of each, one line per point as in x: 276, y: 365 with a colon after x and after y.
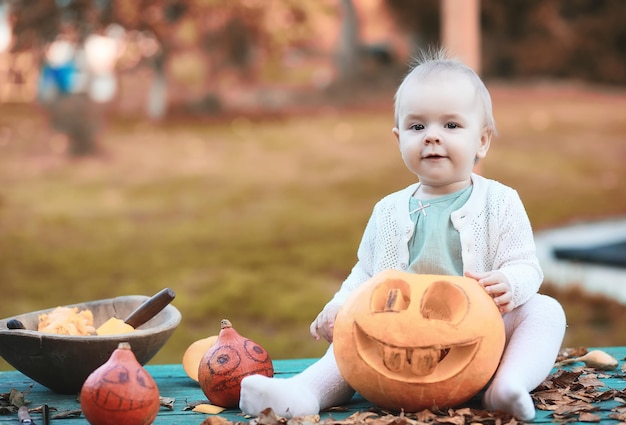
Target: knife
x: 23, y: 416
x: 150, y: 308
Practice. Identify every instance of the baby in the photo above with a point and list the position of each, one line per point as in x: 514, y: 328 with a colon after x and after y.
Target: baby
x: 451, y: 222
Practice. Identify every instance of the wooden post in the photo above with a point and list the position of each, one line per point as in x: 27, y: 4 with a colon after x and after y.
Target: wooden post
x: 460, y: 34
x: 460, y: 30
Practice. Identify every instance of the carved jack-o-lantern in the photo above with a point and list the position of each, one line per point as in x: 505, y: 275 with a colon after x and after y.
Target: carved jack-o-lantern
x: 412, y: 342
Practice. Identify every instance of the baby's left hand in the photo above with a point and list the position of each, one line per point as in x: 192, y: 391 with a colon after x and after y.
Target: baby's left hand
x: 497, y: 286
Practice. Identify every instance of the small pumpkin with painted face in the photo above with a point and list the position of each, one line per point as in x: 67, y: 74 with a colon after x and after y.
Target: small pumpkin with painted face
x: 227, y: 362
x: 120, y: 391
x: 411, y: 342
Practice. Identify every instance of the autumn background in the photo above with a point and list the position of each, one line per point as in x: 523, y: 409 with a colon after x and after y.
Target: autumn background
x: 245, y: 143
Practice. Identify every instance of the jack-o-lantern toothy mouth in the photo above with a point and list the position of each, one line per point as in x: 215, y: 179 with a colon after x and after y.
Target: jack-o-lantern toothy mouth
x: 414, y: 364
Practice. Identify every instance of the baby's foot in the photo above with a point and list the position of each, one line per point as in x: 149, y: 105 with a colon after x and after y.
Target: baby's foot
x: 286, y: 397
x: 509, y: 399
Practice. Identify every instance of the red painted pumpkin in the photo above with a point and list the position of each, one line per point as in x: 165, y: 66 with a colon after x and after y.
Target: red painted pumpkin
x: 227, y: 362
x: 120, y: 391
x: 413, y: 342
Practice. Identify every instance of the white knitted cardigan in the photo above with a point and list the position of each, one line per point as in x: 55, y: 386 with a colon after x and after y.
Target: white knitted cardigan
x: 494, y: 229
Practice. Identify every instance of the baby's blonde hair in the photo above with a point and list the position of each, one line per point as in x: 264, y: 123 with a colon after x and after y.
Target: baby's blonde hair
x: 436, y: 60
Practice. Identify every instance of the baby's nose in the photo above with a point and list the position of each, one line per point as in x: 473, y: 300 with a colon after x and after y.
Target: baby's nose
x: 432, y: 137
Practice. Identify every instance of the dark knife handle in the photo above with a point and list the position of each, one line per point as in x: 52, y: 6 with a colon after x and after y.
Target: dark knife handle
x: 15, y: 324
x: 150, y: 308
x: 46, y: 414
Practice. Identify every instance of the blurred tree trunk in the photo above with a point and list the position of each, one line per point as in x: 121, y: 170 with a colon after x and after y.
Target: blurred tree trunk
x: 76, y: 115
x: 419, y: 20
x: 157, y: 97
x: 347, y: 60
x: 460, y: 30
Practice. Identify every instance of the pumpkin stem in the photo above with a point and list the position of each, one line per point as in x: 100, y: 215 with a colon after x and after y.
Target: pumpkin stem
x: 226, y: 324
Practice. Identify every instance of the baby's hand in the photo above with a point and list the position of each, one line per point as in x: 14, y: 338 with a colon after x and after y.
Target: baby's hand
x: 323, y: 325
x: 497, y: 286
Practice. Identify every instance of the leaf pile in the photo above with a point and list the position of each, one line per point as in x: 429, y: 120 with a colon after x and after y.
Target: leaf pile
x: 379, y: 417
x: 572, y: 395
x: 11, y: 401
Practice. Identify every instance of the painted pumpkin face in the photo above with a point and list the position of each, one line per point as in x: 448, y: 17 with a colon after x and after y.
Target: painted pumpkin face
x: 411, y: 342
x: 112, y: 395
x: 120, y: 391
x: 225, y: 364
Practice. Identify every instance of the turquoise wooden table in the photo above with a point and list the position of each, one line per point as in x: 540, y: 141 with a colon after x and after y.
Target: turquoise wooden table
x: 606, y: 396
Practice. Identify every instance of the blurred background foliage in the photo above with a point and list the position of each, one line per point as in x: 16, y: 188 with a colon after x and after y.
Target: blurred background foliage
x: 580, y: 39
x: 157, y: 58
x: 233, y: 150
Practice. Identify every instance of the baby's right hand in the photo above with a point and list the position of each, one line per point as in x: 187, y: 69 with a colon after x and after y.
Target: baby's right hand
x: 323, y: 325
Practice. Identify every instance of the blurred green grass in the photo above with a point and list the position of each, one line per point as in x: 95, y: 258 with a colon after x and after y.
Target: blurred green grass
x: 258, y: 221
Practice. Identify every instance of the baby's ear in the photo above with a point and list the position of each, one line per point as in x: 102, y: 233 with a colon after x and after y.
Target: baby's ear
x: 485, y: 142
x: 396, y: 133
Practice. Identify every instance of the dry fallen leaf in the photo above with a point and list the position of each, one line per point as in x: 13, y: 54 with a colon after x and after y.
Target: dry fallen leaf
x: 74, y: 413
x: 209, y: 409
x: 588, y: 417
x: 189, y: 405
x: 167, y: 402
x: 304, y: 420
x: 215, y: 420
x: 268, y: 417
x: 596, y: 359
x: 574, y: 407
x: 590, y: 380
x: 568, y: 353
x: 617, y: 417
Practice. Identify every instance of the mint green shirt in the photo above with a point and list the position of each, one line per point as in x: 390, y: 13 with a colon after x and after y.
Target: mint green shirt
x: 435, y: 247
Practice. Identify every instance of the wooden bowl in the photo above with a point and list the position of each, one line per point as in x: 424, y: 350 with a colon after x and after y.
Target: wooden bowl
x: 62, y: 362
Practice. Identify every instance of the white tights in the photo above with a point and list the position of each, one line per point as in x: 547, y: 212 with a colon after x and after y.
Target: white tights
x: 534, y: 333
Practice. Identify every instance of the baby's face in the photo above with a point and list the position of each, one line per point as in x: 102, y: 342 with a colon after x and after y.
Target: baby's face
x: 441, y: 129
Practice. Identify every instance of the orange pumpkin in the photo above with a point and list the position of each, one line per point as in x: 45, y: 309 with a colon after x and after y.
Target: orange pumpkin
x: 227, y: 362
x: 194, y: 353
x: 120, y: 391
x: 413, y: 342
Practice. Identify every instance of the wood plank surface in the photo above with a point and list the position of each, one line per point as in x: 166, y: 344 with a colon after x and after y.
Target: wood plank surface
x: 173, y: 383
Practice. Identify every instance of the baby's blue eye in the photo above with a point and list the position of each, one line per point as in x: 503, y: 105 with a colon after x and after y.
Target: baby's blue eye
x: 417, y: 127
x: 452, y: 125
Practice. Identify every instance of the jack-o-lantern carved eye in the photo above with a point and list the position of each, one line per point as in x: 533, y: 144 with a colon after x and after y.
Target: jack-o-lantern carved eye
x: 444, y: 301
x: 392, y: 296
